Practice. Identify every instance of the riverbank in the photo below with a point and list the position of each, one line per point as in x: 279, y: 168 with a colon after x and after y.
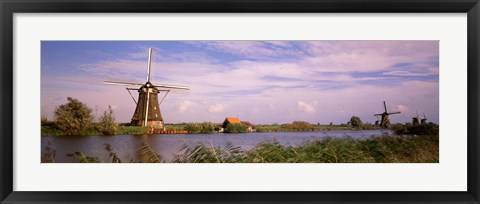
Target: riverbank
x: 186, y: 128
x: 122, y: 130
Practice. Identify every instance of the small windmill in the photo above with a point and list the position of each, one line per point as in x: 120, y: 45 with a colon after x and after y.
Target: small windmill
x: 416, y: 120
x: 424, y: 120
x: 147, y: 112
x: 385, y: 116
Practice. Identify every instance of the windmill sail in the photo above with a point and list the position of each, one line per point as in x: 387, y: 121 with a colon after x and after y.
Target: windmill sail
x: 122, y: 83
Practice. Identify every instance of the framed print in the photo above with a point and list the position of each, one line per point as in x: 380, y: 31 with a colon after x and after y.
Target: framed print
x: 257, y: 102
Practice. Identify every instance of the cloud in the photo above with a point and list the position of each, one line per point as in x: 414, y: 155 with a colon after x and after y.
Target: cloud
x: 185, y: 105
x: 401, y: 108
x: 214, y: 108
x: 253, y: 49
x: 405, y: 73
x: 305, y: 107
x: 345, y: 56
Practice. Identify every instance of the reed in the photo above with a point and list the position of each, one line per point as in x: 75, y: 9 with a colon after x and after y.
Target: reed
x: 380, y: 149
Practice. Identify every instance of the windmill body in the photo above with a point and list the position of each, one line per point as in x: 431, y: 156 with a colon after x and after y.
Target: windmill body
x: 385, y: 121
x: 424, y: 120
x: 147, y: 111
x: 154, y: 116
x: 416, y: 120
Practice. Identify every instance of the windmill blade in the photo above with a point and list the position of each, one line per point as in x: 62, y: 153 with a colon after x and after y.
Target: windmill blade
x: 394, y: 113
x: 377, y: 114
x: 424, y: 116
x: 172, y: 87
x: 385, y: 106
x: 122, y: 83
x: 149, y: 63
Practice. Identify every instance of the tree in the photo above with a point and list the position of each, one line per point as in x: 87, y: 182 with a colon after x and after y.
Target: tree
x: 355, y: 121
x: 107, y: 124
x: 73, y: 117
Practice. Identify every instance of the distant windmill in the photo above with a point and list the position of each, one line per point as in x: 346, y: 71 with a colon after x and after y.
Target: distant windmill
x: 424, y: 120
x: 147, y: 112
x: 385, y: 116
x: 416, y: 120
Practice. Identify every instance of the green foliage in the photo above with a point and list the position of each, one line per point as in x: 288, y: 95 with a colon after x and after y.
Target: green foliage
x: 201, y: 153
x: 409, y: 129
x: 355, y: 121
x: 45, y: 122
x: 199, y: 128
x: 80, y: 157
x: 148, y: 155
x: 403, y: 149
x: 298, y: 126
x: 236, y: 128
x: 48, y: 156
x: 107, y: 125
x: 73, y: 117
x: 50, y: 131
x: 93, y: 130
x: 111, y: 154
x: 383, y: 149
x: 132, y: 130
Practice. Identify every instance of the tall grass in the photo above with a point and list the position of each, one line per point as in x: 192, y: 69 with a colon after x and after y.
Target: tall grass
x: 382, y: 149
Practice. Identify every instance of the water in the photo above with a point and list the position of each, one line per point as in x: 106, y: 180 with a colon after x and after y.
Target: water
x: 167, y: 145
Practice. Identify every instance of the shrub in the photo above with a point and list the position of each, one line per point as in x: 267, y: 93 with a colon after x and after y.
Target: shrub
x: 199, y: 128
x: 355, y: 121
x: 236, y: 128
x: 73, y: 117
x: 408, y: 129
x: 107, y: 124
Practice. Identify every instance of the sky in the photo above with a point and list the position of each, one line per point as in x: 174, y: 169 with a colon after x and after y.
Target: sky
x: 263, y: 82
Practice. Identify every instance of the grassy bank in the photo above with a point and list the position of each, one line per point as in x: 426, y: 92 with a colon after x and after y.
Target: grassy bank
x: 122, y: 130
x: 383, y: 149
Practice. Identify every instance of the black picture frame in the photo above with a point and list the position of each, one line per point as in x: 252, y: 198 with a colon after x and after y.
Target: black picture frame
x: 10, y: 7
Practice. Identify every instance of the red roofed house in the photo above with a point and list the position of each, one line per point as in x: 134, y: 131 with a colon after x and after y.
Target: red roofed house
x: 230, y: 120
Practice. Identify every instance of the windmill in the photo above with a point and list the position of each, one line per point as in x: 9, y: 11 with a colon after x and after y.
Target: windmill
x: 147, y: 112
x: 416, y: 120
x: 385, y: 116
x: 424, y: 120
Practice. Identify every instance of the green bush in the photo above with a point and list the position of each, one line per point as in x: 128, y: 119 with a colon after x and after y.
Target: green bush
x: 73, y: 117
x: 409, y: 129
x: 107, y: 125
x: 199, y: 128
x: 355, y: 121
x: 236, y: 128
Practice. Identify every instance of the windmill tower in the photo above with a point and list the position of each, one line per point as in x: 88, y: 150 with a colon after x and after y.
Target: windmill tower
x: 385, y: 116
x: 147, y: 112
x: 416, y: 120
x: 424, y: 120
